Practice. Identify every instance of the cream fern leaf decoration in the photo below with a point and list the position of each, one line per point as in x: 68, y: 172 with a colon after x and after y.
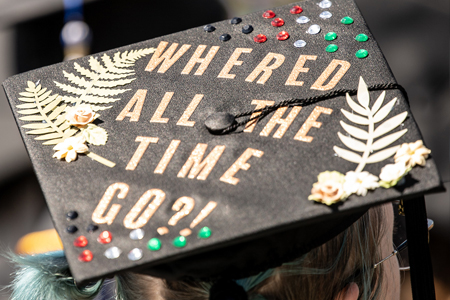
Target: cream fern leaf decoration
x: 369, y: 116
x: 98, y: 84
x: 48, y: 117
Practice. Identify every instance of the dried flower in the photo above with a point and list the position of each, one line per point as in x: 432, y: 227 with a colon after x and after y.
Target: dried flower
x: 329, y: 189
x: 412, y: 154
x: 391, y: 174
x: 81, y: 115
x: 70, y: 147
x: 359, y: 183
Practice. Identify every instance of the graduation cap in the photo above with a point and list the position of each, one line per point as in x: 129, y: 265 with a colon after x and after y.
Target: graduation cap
x: 179, y: 156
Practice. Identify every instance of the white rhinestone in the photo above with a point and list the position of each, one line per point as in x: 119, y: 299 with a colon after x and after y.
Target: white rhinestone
x: 325, y: 4
x: 314, y: 29
x: 300, y: 43
x: 137, y: 234
x: 113, y: 252
x: 325, y: 15
x: 135, y: 254
x: 303, y: 20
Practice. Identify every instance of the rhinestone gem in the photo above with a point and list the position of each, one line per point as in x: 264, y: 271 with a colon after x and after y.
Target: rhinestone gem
x: 72, y: 215
x: 247, y: 29
x: 325, y: 15
x: 361, y: 37
x: 362, y: 53
x: 314, y: 29
x: 282, y: 36
x: 112, y: 253
x: 268, y: 14
x: 179, y: 241
x: 325, y: 4
x: 330, y: 36
x: 86, y: 256
x: 278, y: 22
x: 347, y: 20
x: 204, y: 233
x: 72, y: 229
x: 235, y: 21
x: 80, y: 241
x: 225, y: 37
x: 331, y: 48
x: 209, y: 28
x: 302, y: 20
x: 137, y: 234
x: 135, y: 254
x: 105, y: 237
x: 260, y: 38
x: 91, y: 228
x: 300, y: 44
x: 154, y: 244
x: 296, y: 10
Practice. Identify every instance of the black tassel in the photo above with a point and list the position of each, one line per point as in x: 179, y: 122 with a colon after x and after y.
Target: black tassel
x: 226, y: 289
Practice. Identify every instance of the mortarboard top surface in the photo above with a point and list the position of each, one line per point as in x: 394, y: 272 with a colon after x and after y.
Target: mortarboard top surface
x: 171, y: 174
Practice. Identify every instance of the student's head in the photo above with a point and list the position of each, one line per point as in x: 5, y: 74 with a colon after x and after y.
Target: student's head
x: 340, y: 269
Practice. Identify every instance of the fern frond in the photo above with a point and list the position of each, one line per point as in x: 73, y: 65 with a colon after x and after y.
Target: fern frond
x: 97, y: 84
x: 369, y: 116
x: 45, y: 107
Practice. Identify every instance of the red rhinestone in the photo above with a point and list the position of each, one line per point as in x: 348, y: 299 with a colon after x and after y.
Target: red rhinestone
x: 86, y: 256
x: 80, y: 241
x: 282, y: 36
x: 268, y: 14
x: 278, y: 22
x: 260, y: 38
x: 296, y: 10
x: 105, y: 237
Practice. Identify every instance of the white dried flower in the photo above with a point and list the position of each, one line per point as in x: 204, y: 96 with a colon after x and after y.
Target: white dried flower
x: 360, y: 182
x: 412, y: 154
x: 70, y: 147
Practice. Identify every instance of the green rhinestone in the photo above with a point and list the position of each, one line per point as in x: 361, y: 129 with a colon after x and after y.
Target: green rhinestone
x: 330, y: 36
x: 361, y: 53
x: 361, y: 37
x: 204, y: 233
x: 179, y: 241
x: 331, y: 48
x: 346, y: 20
x: 154, y: 244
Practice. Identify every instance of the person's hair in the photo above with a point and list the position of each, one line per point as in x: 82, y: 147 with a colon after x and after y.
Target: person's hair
x: 321, y: 274
x: 318, y: 275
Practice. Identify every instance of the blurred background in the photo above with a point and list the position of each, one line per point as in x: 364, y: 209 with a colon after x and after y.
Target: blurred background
x: 413, y: 34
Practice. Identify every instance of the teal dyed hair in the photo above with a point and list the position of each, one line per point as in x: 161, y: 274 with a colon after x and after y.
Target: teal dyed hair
x: 47, y: 277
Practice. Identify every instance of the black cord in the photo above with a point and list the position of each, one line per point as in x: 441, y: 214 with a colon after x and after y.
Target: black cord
x: 306, y: 101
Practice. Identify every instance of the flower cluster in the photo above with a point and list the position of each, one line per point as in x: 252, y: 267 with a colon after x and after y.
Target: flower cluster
x: 80, y: 116
x: 332, y: 187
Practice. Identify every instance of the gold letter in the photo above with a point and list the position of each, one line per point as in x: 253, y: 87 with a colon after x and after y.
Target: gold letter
x: 195, y: 163
x: 145, y: 141
x: 164, y: 162
x: 129, y: 221
x: 241, y: 163
x: 233, y: 61
x: 158, y: 57
x: 284, y: 123
x: 204, y: 62
x: 311, y: 122
x: 184, y: 120
x: 318, y: 85
x: 263, y: 67
x: 139, y: 97
x: 97, y: 215
x: 292, y: 80
x: 157, y: 116
x: 260, y: 104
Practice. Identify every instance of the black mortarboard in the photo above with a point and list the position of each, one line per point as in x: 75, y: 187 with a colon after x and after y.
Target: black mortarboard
x: 271, y: 132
